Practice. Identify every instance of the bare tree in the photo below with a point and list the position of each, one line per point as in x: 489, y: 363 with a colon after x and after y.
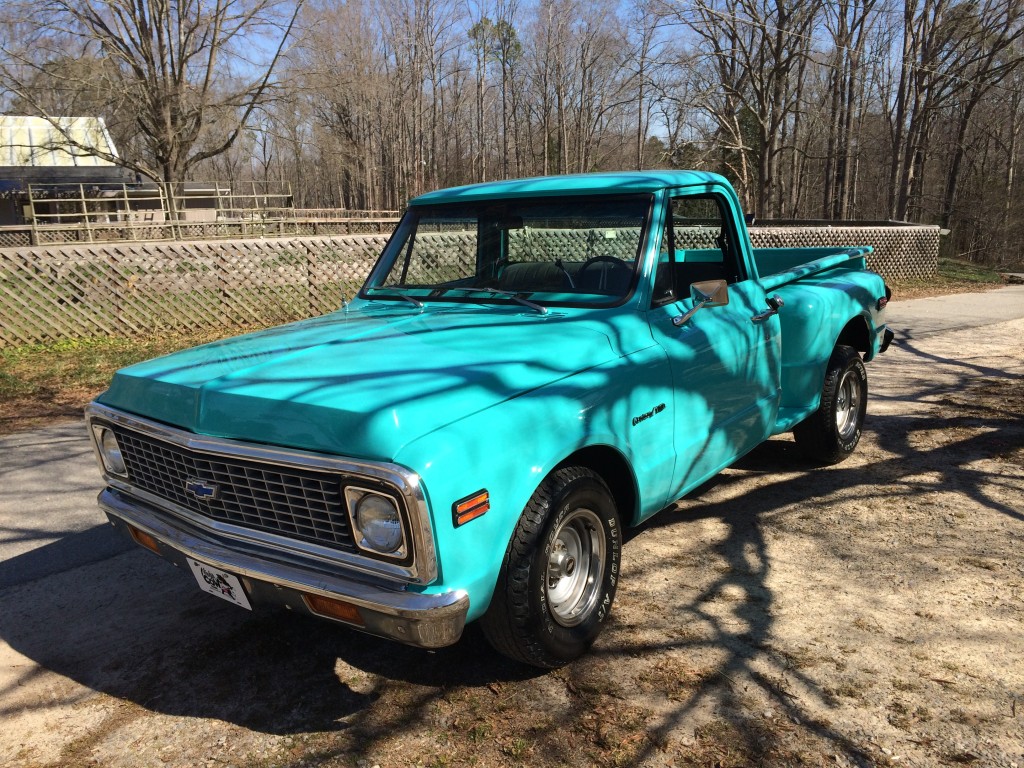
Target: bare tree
x: 757, y: 48
x: 643, y: 61
x: 186, y: 71
x: 992, y: 37
x: 341, y: 66
x: 849, y: 23
x: 801, y: 103
x: 952, y: 50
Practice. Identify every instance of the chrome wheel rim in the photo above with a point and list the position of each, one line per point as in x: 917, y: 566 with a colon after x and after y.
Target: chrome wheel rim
x: 575, y: 567
x: 848, y: 405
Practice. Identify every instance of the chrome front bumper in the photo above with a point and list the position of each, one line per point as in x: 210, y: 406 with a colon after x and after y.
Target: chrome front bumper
x: 422, y: 620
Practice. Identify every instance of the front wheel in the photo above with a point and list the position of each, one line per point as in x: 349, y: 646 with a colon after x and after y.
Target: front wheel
x: 832, y: 432
x: 560, y: 571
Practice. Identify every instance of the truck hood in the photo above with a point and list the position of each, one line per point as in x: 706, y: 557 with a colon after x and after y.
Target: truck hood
x: 362, y: 382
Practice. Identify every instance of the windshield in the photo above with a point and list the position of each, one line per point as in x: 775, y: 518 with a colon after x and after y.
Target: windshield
x: 570, y: 252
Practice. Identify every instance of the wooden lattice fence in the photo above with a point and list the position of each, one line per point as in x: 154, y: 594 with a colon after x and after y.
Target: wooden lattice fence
x: 80, y: 291
x: 902, y: 251
x: 48, y: 294
x: 27, y: 236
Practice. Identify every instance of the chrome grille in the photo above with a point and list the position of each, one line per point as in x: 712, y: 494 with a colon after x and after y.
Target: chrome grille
x: 288, y: 501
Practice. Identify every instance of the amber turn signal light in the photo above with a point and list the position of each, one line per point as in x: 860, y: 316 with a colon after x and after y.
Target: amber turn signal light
x: 333, y: 609
x: 143, y: 538
x: 471, y: 507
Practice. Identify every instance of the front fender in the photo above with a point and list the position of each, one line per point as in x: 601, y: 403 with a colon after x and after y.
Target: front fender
x: 509, y: 449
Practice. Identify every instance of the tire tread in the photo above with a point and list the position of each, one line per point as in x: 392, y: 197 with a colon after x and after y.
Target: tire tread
x: 507, y: 624
x: 817, y: 435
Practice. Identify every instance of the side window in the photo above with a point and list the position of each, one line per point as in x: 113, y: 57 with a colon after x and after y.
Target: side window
x: 699, y: 244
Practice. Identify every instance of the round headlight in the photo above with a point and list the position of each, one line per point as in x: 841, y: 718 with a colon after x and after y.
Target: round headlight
x: 111, y: 453
x: 380, y: 524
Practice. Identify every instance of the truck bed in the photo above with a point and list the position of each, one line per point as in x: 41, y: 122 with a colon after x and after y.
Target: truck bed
x: 779, y: 266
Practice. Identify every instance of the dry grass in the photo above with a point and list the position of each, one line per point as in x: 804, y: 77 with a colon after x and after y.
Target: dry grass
x: 953, y: 277
x: 40, y: 383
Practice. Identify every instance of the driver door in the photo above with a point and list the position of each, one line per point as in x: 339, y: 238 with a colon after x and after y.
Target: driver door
x: 724, y: 358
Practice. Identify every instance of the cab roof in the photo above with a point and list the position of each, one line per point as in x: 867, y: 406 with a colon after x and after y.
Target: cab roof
x: 624, y: 182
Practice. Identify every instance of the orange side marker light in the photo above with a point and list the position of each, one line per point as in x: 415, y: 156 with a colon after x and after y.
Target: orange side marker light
x: 471, y: 507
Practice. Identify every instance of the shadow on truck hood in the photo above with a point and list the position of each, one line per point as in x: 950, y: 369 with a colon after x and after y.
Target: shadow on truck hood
x: 363, y: 382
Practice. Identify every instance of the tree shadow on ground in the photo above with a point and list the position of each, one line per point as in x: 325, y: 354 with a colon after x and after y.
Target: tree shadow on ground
x: 127, y: 628
x: 133, y: 628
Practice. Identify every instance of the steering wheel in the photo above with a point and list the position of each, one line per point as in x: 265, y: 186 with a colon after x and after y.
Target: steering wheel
x: 615, y: 261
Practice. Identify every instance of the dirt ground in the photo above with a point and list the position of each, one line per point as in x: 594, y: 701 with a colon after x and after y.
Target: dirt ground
x: 866, y: 614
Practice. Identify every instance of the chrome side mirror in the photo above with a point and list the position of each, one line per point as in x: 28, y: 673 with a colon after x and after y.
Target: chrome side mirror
x: 710, y: 293
x: 707, y: 293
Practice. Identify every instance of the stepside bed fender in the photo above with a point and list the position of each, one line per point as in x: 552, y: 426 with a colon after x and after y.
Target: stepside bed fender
x: 819, y: 314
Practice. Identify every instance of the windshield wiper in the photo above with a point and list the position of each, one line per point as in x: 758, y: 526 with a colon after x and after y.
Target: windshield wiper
x: 410, y: 299
x: 515, y: 297
x: 405, y: 296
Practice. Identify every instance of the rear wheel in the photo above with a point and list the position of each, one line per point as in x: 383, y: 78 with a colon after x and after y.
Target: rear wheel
x: 560, y: 571
x: 832, y: 432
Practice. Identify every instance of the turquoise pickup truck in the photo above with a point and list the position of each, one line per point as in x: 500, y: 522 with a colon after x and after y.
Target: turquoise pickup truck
x: 530, y: 367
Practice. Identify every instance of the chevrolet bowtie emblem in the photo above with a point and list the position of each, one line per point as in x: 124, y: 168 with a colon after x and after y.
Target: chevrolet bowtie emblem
x: 201, y: 489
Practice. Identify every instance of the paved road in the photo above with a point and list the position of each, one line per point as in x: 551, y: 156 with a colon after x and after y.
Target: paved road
x: 923, y: 317
x: 49, y: 521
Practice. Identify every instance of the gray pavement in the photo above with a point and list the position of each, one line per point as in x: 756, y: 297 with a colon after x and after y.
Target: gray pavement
x: 49, y: 521
x: 917, y: 318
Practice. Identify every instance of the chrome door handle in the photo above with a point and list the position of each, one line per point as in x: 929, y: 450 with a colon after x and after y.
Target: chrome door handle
x: 775, y: 303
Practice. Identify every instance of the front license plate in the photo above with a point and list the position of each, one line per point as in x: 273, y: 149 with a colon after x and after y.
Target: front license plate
x: 219, y: 583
